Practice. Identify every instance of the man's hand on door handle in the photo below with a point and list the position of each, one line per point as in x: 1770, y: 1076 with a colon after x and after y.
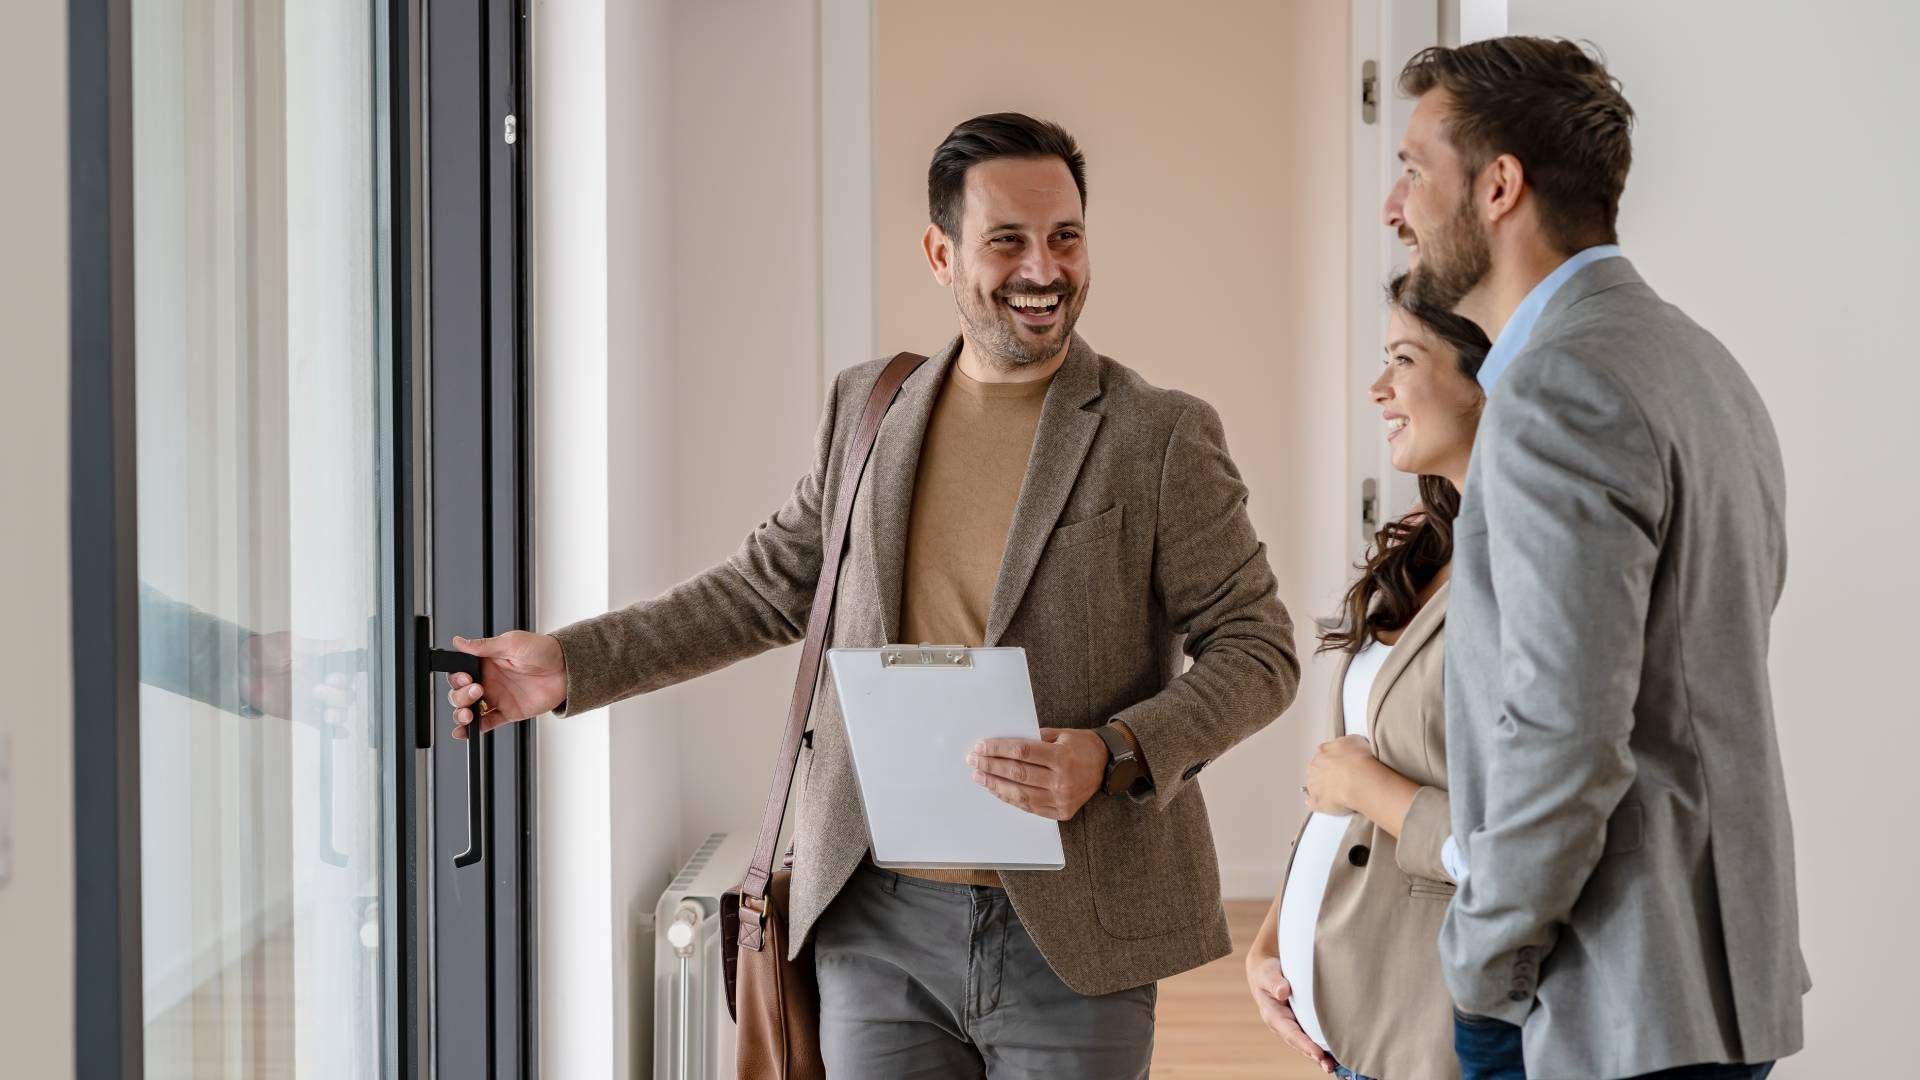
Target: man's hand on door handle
x: 521, y: 675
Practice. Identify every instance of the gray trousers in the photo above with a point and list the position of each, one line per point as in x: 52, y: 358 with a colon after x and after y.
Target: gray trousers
x: 925, y: 979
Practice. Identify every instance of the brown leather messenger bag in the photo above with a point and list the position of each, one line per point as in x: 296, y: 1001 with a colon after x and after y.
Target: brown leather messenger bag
x: 774, y: 1000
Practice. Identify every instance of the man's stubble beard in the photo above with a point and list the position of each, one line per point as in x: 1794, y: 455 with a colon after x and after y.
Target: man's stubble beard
x: 1455, y: 266
x: 998, y: 337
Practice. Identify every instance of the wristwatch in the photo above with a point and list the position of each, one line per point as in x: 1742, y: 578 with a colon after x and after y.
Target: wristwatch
x: 1126, y: 773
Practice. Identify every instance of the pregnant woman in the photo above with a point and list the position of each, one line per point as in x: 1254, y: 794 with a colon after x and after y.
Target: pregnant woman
x: 1346, y: 968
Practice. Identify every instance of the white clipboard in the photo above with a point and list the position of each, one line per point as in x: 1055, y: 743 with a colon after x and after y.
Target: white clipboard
x: 912, y: 715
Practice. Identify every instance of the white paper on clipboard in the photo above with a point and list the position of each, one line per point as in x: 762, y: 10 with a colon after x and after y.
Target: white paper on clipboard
x: 912, y: 715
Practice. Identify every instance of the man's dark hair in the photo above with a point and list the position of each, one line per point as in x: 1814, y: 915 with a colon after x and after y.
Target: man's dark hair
x: 985, y: 138
x: 1551, y: 104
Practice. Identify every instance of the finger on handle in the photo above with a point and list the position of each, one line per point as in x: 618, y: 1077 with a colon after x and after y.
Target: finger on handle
x: 486, y: 646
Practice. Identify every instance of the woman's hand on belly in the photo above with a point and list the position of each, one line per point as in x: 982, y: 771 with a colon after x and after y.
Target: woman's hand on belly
x: 1345, y: 777
x: 1272, y: 996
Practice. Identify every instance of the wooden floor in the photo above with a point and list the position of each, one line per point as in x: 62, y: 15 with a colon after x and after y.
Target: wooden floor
x: 1207, y: 1028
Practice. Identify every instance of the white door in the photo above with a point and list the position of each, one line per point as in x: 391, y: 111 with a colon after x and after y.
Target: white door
x: 1386, y: 33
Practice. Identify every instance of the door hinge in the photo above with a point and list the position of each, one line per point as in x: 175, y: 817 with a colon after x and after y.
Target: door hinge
x: 1370, y: 506
x: 512, y: 129
x: 1369, y: 92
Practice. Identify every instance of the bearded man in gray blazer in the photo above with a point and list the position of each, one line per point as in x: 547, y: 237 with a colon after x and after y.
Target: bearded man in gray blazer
x: 1621, y: 835
x: 1024, y: 490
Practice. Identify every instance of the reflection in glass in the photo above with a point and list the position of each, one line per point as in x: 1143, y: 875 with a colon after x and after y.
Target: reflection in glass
x: 259, y: 523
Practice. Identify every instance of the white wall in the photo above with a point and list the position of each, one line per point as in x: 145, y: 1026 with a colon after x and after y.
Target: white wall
x: 1216, y: 144
x: 36, y: 901
x: 677, y: 209
x: 608, y: 806
x: 1772, y: 198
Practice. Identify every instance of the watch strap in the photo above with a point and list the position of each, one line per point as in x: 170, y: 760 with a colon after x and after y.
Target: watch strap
x: 1124, y: 770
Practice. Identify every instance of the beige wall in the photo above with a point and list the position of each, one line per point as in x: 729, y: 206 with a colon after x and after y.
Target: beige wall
x: 746, y: 304
x: 36, y: 903
x: 1215, y: 136
x: 1772, y: 198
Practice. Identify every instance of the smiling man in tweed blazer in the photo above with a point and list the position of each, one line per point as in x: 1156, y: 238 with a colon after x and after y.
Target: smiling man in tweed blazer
x: 1027, y: 491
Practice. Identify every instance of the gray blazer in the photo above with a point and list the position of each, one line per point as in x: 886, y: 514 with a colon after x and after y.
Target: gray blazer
x: 1130, y: 545
x: 1615, y: 776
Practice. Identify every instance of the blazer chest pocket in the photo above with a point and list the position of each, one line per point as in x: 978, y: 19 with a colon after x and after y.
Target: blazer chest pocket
x: 1074, y: 607
x: 1428, y: 889
x: 1097, y: 527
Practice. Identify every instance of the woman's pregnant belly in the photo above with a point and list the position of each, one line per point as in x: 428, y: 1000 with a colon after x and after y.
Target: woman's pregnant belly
x: 1300, y: 912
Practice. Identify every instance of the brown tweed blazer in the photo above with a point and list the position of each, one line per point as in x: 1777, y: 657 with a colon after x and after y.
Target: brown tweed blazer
x: 1130, y: 544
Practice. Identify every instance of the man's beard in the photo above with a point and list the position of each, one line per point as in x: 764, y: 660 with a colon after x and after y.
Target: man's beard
x: 1453, y: 262
x: 993, y: 329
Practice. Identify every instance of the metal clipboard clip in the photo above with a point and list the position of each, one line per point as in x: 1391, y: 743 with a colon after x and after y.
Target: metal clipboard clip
x: 926, y: 656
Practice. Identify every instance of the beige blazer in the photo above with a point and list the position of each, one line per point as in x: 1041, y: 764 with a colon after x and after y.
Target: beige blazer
x: 1377, y: 984
x: 1130, y: 545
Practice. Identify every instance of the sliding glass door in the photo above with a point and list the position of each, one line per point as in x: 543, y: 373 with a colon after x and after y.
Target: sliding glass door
x: 300, y: 373
x: 260, y: 525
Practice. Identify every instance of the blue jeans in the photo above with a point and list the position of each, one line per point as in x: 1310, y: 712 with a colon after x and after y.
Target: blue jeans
x: 1345, y: 1073
x: 1489, y: 1049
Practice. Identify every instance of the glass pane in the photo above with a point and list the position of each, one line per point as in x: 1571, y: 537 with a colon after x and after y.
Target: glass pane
x: 263, y: 825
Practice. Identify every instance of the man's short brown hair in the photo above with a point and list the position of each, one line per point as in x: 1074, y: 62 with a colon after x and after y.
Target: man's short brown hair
x: 988, y: 138
x: 1551, y: 104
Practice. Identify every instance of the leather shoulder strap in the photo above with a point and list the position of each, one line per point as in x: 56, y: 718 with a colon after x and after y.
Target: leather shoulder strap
x: 807, y: 680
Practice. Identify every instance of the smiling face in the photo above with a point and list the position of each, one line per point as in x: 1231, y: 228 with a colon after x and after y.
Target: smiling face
x: 1431, y: 209
x: 1018, y: 267
x: 1431, y: 407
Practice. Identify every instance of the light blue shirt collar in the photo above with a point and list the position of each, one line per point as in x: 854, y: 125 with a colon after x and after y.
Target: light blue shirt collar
x: 1519, y: 328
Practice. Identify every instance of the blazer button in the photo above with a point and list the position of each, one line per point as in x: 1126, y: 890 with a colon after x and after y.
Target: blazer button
x: 1529, y: 954
x: 1358, y: 855
x: 1517, y: 996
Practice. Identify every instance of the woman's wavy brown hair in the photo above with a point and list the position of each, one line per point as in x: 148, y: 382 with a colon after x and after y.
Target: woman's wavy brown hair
x: 1406, y: 554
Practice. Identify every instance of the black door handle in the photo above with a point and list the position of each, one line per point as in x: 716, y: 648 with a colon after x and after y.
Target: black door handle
x: 450, y: 661
x: 476, y: 797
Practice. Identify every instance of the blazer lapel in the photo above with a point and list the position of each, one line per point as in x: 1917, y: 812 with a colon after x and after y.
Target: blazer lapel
x: 1059, y: 449
x: 887, y: 492
x: 1429, y: 619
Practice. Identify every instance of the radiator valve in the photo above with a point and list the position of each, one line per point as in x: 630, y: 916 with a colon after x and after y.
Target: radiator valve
x: 686, y: 919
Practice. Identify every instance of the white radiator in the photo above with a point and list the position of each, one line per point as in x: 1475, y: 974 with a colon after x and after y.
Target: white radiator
x: 693, y: 1037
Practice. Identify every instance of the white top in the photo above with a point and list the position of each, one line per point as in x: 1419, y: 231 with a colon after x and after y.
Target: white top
x: 1313, y: 859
